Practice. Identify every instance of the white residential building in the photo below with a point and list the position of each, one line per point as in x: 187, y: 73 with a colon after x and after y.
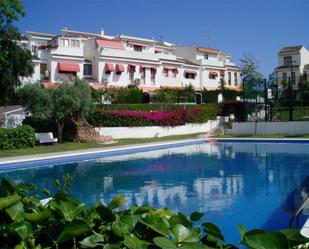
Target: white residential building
x: 120, y: 61
x: 293, y: 63
x: 215, y: 66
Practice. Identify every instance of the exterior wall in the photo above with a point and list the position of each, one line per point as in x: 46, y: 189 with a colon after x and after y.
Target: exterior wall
x: 156, y: 131
x: 269, y: 128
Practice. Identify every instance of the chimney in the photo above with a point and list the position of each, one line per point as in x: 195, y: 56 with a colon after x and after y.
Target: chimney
x: 102, y: 32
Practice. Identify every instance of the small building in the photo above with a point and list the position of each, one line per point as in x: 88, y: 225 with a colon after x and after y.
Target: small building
x: 293, y: 62
x: 215, y: 66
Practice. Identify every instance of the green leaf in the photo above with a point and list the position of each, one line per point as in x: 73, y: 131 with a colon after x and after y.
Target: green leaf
x: 92, y: 241
x: 180, y: 218
x: 164, y: 243
x: 132, y: 242
x: 294, y: 237
x: 242, y: 230
x: 158, y: 224
x: 8, y: 201
x: 195, y: 216
x: 38, y: 218
x: 117, y: 201
x: 105, y: 213
x: 23, y: 229
x: 271, y: 240
x: 16, y: 212
x: 111, y: 246
x: 183, y: 234
x: 67, y: 209
x: 213, y: 230
x: 124, y: 225
x: 73, y: 229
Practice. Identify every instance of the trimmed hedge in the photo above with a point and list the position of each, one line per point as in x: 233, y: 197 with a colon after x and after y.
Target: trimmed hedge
x: 17, y: 138
x: 149, y: 115
x: 212, y: 96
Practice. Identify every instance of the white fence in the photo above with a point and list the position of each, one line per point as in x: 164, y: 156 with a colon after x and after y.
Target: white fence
x: 157, y: 131
x: 269, y: 128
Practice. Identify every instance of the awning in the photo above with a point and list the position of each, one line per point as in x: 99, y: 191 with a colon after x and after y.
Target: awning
x: 131, y: 67
x: 170, y: 68
x: 109, y: 67
x: 159, y: 50
x: 222, y: 73
x: 213, y: 74
x: 68, y: 67
x: 236, y: 88
x: 119, y: 68
x: 138, y: 44
x: 116, y: 44
x: 193, y: 72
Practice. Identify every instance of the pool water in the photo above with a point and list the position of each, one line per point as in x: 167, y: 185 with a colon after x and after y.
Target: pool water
x: 256, y: 184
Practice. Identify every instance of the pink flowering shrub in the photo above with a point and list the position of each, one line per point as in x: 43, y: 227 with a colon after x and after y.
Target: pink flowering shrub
x: 161, y: 118
x: 151, y: 115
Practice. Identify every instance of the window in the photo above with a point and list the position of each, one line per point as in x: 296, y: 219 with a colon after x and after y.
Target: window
x: 65, y: 42
x: 305, y: 75
x: 75, y: 43
x: 137, y: 48
x: 287, y: 60
x: 229, y: 78
x: 205, y: 56
x: 293, y: 78
x: 174, y: 73
x: 190, y: 75
x: 165, y: 72
x: 153, y: 73
x: 87, y: 69
x: 235, y: 79
x: 284, y: 76
x: 143, y: 73
x: 34, y: 48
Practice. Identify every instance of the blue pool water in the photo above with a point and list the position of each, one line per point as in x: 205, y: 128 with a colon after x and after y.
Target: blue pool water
x: 255, y: 184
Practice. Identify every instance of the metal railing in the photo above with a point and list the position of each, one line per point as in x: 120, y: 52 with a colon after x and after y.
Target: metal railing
x: 298, y: 212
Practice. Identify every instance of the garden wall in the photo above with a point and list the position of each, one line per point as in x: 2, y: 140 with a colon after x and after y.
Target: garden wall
x: 157, y: 131
x: 269, y: 128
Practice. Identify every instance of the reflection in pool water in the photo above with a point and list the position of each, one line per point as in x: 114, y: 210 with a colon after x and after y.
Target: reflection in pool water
x: 258, y: 185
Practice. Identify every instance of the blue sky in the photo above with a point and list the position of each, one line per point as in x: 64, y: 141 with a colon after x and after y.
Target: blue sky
x: 256, y: 27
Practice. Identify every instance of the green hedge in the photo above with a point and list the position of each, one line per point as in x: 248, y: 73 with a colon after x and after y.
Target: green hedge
x: 174, y: 95
x: 123, y: 95
x: 17, y: 138
x: 212, y: 96
x: 65, y: 222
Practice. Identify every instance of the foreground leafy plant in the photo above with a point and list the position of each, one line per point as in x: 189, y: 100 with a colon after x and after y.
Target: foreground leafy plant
x: 67, y: 223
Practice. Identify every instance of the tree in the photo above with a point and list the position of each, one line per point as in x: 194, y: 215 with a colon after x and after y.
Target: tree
x: 251, y: 74
x: 303, y: 89
x: 15, y: 60
x: 67, y: 101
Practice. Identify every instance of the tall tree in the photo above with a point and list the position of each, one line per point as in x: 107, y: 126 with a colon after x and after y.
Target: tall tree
x: 67, y: 101
x: 15, y: 60
x: 251, y: 75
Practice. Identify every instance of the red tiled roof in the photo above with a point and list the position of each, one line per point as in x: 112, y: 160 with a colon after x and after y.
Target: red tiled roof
x: 49, y: 85
x: 290, y: 49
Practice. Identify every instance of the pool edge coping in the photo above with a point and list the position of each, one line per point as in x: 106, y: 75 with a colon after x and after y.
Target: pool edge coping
x: 94, y: 151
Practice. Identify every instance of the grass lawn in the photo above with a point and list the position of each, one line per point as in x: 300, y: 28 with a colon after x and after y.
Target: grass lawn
x: 299, y: 113
x: 81, y: 146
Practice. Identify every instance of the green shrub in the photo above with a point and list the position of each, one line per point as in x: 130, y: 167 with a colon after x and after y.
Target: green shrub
x: 67, y: 223
x: 212, y: 96
x: 17, y: 138
x: 41, y: 125
x: 174, y: 95
x: 123, y: 95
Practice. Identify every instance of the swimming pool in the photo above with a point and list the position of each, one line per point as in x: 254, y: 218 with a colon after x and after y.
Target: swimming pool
x: 255, y: 184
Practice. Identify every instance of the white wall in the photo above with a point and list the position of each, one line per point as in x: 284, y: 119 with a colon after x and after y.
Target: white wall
x: 156, y: 131
x: 269, y: 128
